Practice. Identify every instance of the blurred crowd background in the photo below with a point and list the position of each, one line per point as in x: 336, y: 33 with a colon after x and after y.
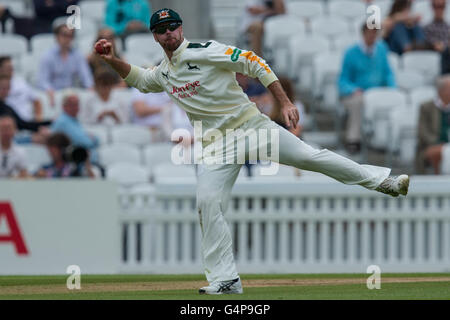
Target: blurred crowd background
x: 377, y: 95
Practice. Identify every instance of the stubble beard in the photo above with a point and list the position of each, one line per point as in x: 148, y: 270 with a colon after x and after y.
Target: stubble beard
x: 172, y: 46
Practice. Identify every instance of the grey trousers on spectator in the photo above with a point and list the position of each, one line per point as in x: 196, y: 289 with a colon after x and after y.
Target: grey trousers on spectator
x: 354, y: 104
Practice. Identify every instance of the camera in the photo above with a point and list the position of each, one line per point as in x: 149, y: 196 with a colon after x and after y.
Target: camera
x: 75, y: 154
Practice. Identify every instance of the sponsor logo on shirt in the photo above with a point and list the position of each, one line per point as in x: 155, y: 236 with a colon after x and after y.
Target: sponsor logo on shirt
x: 186, y: 91
x: 192, y: 67
x: 249, y: 55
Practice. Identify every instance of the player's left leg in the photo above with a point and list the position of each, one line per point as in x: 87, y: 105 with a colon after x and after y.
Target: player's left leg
x: 294, y: 152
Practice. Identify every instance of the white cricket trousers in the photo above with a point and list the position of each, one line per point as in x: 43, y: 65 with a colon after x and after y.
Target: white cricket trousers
x: 215, y: 181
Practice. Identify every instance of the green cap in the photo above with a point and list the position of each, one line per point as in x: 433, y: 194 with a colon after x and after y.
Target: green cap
x: 164, y: 15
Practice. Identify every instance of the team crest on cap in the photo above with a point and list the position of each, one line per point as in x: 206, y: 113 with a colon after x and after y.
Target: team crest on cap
x: 163, y: 14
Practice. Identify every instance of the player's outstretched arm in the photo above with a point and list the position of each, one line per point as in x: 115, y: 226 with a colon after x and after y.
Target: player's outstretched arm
x: 105, y: 49
x: 289, y: 110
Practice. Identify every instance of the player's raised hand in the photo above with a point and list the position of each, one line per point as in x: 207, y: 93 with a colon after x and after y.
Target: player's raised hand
x: 290, y: 115
x: 104, y: 49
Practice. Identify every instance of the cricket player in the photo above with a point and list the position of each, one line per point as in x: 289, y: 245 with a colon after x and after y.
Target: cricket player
x: 200, y: 78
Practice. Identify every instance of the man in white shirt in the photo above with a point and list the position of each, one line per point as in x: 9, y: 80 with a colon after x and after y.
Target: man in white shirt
x: 22, y: 97
x: 201, y: 79
x: 12, y: 157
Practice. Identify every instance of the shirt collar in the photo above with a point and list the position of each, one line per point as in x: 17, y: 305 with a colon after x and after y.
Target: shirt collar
x: 440, y: 105
x: 58, y: 49
x: 65, y: 114
x: 367, y: 50
x: 177, y: 52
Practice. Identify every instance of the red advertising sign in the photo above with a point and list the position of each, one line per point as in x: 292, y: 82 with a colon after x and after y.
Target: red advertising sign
x: 15, y: 235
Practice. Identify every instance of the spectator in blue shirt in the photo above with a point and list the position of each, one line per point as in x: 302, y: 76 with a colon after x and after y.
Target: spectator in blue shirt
x: 68, y: 123
x: 63, y: 66
x: 365, y: 65
x: 127, y: 16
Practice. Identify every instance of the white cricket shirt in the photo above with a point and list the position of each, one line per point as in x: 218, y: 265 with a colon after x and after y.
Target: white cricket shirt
x: 201, y: 79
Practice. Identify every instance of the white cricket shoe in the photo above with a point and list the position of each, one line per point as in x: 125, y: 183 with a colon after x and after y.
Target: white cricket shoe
x: 223, y: 287
x: 395, y: 185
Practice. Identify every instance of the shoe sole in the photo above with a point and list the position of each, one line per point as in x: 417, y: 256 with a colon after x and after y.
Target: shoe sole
x: 204, y: 292
x: 403, y: 185
x: 201, y: 291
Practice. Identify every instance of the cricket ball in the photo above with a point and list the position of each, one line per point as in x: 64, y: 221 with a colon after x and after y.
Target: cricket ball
x: 100, y: 48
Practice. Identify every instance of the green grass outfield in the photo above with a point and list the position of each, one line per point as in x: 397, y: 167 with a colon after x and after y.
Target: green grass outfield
x: 256, y: 287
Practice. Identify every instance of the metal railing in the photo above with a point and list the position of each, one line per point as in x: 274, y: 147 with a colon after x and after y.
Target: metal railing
x: 293, y: 226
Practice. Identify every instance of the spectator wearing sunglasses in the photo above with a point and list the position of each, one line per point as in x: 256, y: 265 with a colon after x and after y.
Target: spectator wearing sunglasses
x: 127, y: 16
x: 437, y: 34
x: 63, y: 66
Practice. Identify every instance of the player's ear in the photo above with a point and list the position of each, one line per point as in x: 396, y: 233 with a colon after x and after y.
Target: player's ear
x: 154, y: 37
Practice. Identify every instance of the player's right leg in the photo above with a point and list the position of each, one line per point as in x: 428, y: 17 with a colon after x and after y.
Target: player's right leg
x: 214, y: 184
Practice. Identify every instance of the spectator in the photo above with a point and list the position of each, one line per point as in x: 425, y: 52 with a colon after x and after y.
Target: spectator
x: 437, y: 34
x: 104, y: 105
x: 22, y: 97
x: 57, y: 145
x: 68, y: 123
x: 365, y: 65
x: 433, y: 128
x: 5, y: 14
x: 256, y: 92
x: 148, y: 110
x: 96, y: 62
x: 40, y: 132
x: 276, y: 114
x: 12, y: 157
x: 48, y: 10
x: 401, y: 29
x: 256, y: 11
x: 45, y: 13
x: 127, y: 16
x: 63, y: 66
x: 178, y: 119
